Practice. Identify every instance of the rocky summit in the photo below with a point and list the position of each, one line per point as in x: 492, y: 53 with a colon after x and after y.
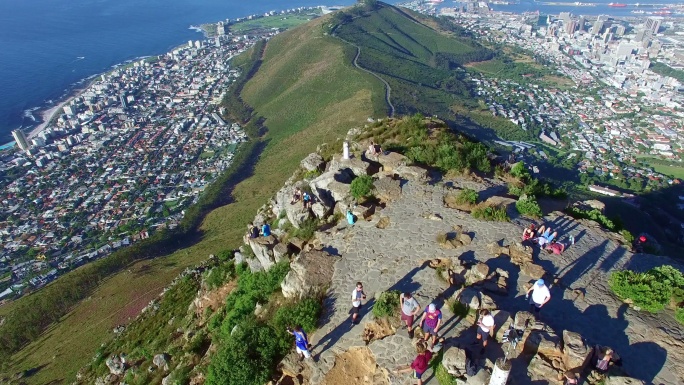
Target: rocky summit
x: 413, y: 239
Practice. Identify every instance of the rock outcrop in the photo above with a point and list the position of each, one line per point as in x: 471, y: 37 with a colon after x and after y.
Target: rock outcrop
x: 310, y: 272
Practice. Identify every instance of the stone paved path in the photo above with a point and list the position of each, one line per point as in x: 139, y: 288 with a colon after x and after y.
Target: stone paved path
x: 383, y: 259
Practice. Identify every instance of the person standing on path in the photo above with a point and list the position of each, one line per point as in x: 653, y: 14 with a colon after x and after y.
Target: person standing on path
x: 357, y: 296
x: 420, y: 364
x: 431, y: 321
x: 409, y: 309
x: 540, y: 296
x: 484, y: 327
x: 301, y: 342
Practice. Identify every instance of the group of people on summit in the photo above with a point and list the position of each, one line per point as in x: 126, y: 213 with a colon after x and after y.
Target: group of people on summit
x: 546, y: 238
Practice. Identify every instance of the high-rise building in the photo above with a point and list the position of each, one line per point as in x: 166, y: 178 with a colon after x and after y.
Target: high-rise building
x: 122, y: 98
x: 581, y: 22
x: 653, y: 24
x: 598, y: 26
x: 21, y: 140
x: 565, y: 17
x: 220, y: 28
x: 571, y: 27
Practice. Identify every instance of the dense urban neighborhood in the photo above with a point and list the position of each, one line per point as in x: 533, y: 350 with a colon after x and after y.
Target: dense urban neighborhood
x: 118, y: 162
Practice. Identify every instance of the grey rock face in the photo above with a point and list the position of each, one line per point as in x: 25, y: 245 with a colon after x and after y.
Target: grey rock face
x: 312, y: 162
x: 263, y: 250
x: 309, y: 273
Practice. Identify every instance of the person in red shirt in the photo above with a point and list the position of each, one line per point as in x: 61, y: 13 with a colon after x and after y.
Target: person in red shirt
x: 420, y: 364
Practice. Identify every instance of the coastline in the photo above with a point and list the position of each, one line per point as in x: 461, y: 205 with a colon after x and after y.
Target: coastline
x: 46, y: 115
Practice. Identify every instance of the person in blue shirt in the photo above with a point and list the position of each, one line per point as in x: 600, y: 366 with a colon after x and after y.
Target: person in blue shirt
x: 266, y: 230
x: 301, y: 342
x: 350, y: 217
x: 307, y: 201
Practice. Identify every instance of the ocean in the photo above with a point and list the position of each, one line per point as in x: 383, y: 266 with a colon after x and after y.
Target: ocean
x: 48, y: 46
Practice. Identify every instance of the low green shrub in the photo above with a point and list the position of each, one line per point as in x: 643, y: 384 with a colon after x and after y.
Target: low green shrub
x: 361, y: 186
x: 443, y: 377
x: 459, y: 309
x: 220, y: 274
x: 490, y: 213
x: 627, y: 235
x: 387, y: 304
x: 652, y: 290
x: 304, y: 313
x: 679, y: 315
x: 528, y: 206
x: 306, y: 229
x: 467, y: 196
x: 594, y: 215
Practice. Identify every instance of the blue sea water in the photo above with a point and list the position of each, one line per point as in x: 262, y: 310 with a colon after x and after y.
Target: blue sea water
x: 48, y: 45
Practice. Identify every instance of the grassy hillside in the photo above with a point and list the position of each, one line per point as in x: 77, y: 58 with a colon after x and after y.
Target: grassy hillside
x: 309, y: 93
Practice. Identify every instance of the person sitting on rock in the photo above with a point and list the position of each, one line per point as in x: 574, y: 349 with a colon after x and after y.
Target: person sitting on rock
x: 570, y: 378
x: 604, y: 358
x: 296, y: 196
x: 545, y: 235
x: 253, y: 231
x: 307, y: 200
x: 638, y: 244
x: 266, y: 230
x: 351, y: 218
x: 373, y: 149
x: 529, y: 233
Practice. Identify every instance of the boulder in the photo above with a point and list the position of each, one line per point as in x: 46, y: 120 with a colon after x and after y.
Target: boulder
x: 486, y: 302
x: 576, y: 353
x: 116, y: 365
x: 543, y: 342
x: 619, y: 380
x: 507, y: 203
x: 280, y: 252
x: 238, y: 258
x: 502, y: 322
x: 263, y: 250
x: 519, y: 253
x: 357, y: 166
x: 383, y: 223
x: 496, y: 250
x: 454, y: 361
x: 254, y: 265
x: 390, y: 161
x: 495, y: 287
x: 532, y: 270
x: 468, y: 296
x: 477, y: 273
x: 523, y: 320
x: 464, y: 238
x: 320, y: 210
x: 412, y: 173
x: 387, y: 189
x: 291, y: 365
x: 297, y: 214
x: 310, y: 272
x: 541, y: 371
x: 161, y: 361
x: 312, y: 162
x: 111, y: 379
x: 321, y: 186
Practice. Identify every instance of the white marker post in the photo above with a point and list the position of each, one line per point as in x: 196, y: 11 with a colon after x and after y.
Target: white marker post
x: 345, y: 150
x: 502, y: 368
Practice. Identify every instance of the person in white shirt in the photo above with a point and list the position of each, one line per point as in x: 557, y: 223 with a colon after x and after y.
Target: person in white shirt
x: 485, y: 326
x: 356, y: 297
x: 540, y: 296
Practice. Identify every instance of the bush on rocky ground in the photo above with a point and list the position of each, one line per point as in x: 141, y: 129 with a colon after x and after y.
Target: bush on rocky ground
x: 652, y: 290
x: 386, y: 304
x: 490, y: 213
x: 528, y: 206
x: 361, y: 187
x: 467, y: 196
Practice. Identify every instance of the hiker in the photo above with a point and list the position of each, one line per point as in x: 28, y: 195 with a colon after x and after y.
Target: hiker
x: 253, y: 231
x: 373, y: 149
x: 409, y: 309
x: 351, y: 219
x: 638, y: 244
x: 296, y: 196
x: 266, y: 230
x: 528, y: 233
x: 301, y: 342
x: 307, y: 200
x: 485, y: 326
x: 545, y: 235
x: 540, y: 296
x: 604, y: 357
x: 357, y: 296
x: 570, y: 378
x: 420, y: 364
x: 431, y: 321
